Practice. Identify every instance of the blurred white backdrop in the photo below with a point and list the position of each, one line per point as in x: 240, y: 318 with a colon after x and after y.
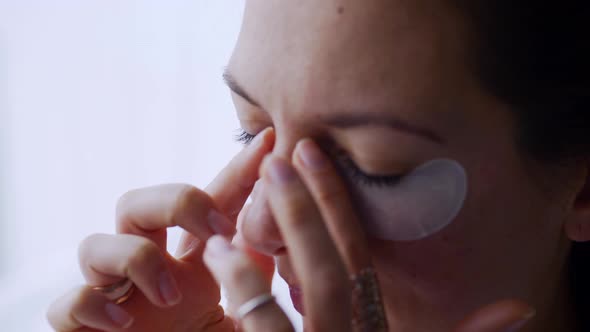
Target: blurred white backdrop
x: 96, y: 98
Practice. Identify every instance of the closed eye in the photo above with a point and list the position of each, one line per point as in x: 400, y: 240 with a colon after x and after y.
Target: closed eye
x: 343, y: 162
x: 360, y: 177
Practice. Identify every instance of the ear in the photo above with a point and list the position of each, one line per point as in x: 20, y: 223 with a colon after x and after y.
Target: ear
x: 577, y: 225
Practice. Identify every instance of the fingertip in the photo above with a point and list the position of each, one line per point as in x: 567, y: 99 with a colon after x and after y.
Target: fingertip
x: 232, y: 186
x: 277, y: 171
x: 218, y: 246
x: 264, y: 140
x: 269, y: 136
x: 309, y: 155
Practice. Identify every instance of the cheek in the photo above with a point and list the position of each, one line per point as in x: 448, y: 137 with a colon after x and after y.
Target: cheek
x: 500, y: 241
x: 509, y: 209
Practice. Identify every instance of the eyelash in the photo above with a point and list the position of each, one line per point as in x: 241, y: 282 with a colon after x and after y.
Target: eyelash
x: 362, y: 178
x: 355, y: 173
x: 244, y: 137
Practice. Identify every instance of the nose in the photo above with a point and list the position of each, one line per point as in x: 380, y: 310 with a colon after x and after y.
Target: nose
x: 258, y: 226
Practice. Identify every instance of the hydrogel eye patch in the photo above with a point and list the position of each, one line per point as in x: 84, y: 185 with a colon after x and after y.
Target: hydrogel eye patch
x: 423, y: 202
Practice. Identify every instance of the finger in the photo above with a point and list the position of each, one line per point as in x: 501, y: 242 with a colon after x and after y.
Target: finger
x: 265, y: 263
x: 244, y: 281
x: 105, y: 258
x: 315, y: 259
x: 83, y: 309
x: 149, y: 211
x: 231, y: 187
x: 333, y: 200
x: 502, y: 316
x: 234, y: 183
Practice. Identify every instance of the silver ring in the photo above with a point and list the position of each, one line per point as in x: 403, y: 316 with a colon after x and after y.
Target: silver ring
x: 253, y: 304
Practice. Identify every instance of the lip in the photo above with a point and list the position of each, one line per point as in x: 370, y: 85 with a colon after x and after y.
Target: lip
x: 296, y: 298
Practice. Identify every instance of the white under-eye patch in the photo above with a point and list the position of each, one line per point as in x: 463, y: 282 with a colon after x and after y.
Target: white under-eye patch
x: 423, y: 202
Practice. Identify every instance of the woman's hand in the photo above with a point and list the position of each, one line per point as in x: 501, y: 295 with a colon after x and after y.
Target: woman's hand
x: 173, y: 293
x: 326, y: 246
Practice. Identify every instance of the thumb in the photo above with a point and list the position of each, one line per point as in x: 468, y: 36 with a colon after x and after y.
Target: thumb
x: 501, y: 316
x: 265, y: 263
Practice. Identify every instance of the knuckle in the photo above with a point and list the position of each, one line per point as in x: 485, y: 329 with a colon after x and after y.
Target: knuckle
x: 123, y: 201
x: 146, y: 253
x: 188, y: 195
x: 123, y: 211
x: 88, y: 246
x: 189, y: 198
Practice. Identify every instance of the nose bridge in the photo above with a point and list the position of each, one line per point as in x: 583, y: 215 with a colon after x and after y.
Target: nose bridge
x: 291, y: 126
x: 259, y: 227
x: 284, y: 145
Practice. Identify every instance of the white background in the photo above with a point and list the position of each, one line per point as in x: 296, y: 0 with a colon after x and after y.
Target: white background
x: 96, y: 98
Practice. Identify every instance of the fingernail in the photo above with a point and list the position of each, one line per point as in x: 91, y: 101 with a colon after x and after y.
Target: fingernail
x: 168, y: 289
x: 257, y: 141
x: 311, y: 156
x: 521, y: 323
x: 218, y: 246
x: 220, y: 224
x: 118, y: 315
x: 279, y: 171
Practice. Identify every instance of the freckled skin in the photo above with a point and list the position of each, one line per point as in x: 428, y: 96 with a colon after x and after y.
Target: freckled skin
x: 303, y: 59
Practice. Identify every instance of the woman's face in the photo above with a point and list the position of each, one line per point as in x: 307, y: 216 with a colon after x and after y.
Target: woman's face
x: 388, y: 82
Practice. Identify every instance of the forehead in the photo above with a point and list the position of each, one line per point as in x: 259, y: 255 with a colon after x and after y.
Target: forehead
x: 334, y: 54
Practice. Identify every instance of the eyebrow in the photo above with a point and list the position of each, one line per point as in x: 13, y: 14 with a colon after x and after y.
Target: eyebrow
x: 349, y: 120
x: 233, y: 85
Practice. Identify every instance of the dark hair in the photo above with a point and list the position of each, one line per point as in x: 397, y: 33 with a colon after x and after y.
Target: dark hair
x: 535, y: 56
